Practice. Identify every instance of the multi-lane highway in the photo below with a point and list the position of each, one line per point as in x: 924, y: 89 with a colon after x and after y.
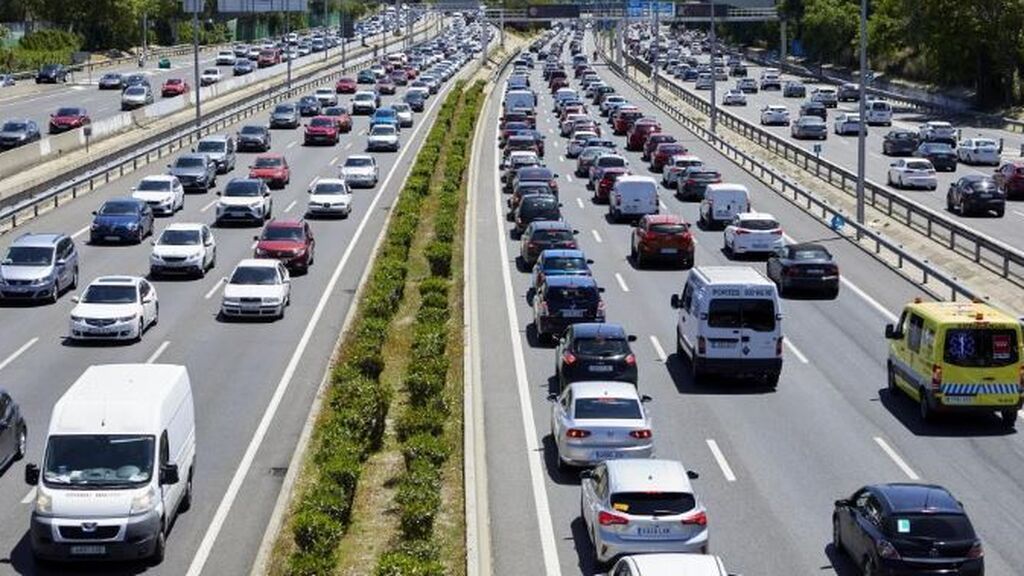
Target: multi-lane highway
x: 253, y: 383
x: 771, y: 463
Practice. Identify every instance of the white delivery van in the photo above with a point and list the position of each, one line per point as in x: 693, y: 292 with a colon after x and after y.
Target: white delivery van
x: 117, y: 465
x: 633, y: 197
x: 878, y: 112
x: 730, y: 324
x: 721, y: 203
x: 519, y: 99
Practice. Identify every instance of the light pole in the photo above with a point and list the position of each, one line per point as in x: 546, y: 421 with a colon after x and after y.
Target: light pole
x: 288, y: 44
x: 862, y: 132
x: 145, y: 28
x: 657, y: 34
x: 714, y: 78
x: 323, y: 33
x: 195, y: 61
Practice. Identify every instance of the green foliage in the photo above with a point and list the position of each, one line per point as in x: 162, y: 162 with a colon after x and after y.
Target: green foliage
x: 439, y: 256
x: 426, y: 447
x: 399, y: 563
x: 49, y: 39
x: 418, y: 498
x: 315, y: 532
x: 424, y: 419
x: 830, y: 27
x: 310, y: 564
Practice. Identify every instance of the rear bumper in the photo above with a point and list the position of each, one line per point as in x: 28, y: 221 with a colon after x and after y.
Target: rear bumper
x: 739, y: 366
x: 905, y: 568
x: 610, y: 545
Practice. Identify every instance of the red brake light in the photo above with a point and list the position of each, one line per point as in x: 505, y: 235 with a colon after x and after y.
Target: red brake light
x: 568, y: 358
x: 577, y: 433
x: 698, y: 519
x: 936, y: 376
x: 631, y: 360
x: 609, y: 519
x: 702, y: 345
x: 641, y: 434
x: 976, y: 551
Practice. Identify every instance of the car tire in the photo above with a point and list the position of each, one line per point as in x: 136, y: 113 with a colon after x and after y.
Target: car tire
x: 141, y: 330
x: 20, y: 447
x: 837, y: 539
x: 868, y: 567
x: 1000, y: 212
x: 186, y: 499
x: 890, y: 380
x: 1008, y: 418
x: 74, y: 280
x: 160, y: 549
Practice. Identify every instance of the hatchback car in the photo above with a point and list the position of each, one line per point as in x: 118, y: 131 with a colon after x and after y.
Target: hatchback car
x: 220, y: 148
x: 18, y: 132
x: 195, y: 171
x: 903, y: 528
x: 285, y: 116
x: 173, y: 87
x: 670, y: 565
x: 114, y: 308
x: 563, y: 300
x: 595, y: 421
x: 598, y: 351
x: 804, y: 267
x: 183, y: 248
x: 243, y: 67
x: 900, y: 143
x: 309, y: 106
x: 13, y: 431
x: 252, y: 137
x: 383, y: 137
x: 545, y: 235
x: 559, y: 262
x: 52, y: 74
x: 912, y: 173
x: 257, y: 288
x: 662, y: 237
x: 271, y: 168
x: 164, y: 194
x: 111, y: 81
x: 360, y: 170
x: 210, y: 76
x: 341, y: 117
x: 121, y: 219
x: 794, y: 89
x: 39, y: 266
x: 636, y: 506
x: 774, y: 115
x: 289, y: 241
x: 345, y: 85
x: 329, y: 197
x: 321, y: 130
x: 753, y: 233
x: 534, y: 208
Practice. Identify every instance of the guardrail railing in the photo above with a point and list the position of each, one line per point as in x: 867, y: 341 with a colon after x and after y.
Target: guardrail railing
x: 1004, y: 260
x: 923, y: 271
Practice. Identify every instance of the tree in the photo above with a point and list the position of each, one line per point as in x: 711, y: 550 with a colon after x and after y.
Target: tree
x: 829, y: 28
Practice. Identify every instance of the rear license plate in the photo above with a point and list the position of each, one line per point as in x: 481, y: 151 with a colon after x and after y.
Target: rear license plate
x: 88, y: 550
x: 653, y: 530
x: 669, y: 250
x: 722, y: 344
x: 600, y: 368
x: 111, y: 238
x: 607, y: 454
x: 958, y: 400
x: 573, y: 313
x: 815, y: 271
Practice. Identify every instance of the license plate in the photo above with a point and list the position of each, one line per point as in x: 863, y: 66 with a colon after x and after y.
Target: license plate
x: 722, y: 344
x: 250, y: 307
x: 815, y: 271
x: 669, y: 250
x: 984, y: 196
x: 573, y: 313
x: 600, y: 368
x: 88, y: 550
x: 653, y: 530
x: 607, y: 454
x: 111, y: 238
x: 958, y: 400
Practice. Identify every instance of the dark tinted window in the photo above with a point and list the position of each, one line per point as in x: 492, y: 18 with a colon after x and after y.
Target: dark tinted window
x: 668, y: 228
x: 600, y: 346
x: 978, y: 347
x: 243, y: 188
x: 576, y: 295
x: 808, y: 254
x: 653, y: 503
x: 268, y: 162
x: 932, y: 527
x: 755, y: 314
x: 610, y: 408
x: 565, y: 263
x: 119, y: 208
x: 759, y: 224
x: 552, y: 235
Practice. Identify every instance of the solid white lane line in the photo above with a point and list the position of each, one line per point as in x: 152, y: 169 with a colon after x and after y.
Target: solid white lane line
x: 597, y: 237
x: 579, y: 202
x: 290, y: 206
x: 156, y: 354
x: 871, y: 301
x: 228, y: 500
x: 335, y: 159
x: 292, y: 144
x: 30, y: 496
x: 209, y: 205
x: 896, y: 458
x: 14, y: 355
x: 662, y: 206
x: 535, y: 454
x: 796, y: 352
x: 722, y: 462
x: 622, y: 282
x: 214, y: 289
x: 662, y: 357
x: 1019, y: 213
x: 80, y: 232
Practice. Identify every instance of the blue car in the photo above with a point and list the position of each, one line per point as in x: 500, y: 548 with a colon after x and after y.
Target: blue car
x: 387, y: 115
x: 560, y: 262
x: 121, y: 220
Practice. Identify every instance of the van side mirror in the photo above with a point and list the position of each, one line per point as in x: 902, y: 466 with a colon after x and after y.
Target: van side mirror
x: 842, y: 503
x: 891, y: 333
x: 675, y: 301
x: 692, y: 475
x: 631, y: 338
x: 32, y: 474
x: 169, y: 474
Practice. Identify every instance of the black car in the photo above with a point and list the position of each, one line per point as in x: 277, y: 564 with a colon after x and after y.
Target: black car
x: 111, y: 81
x: 814, y: 108
x: 253, y: 138
x: 135, y: 80
x: 562, y: 301
x: 13, y: 431
x: 18, y: 132
x: 545, y: 235
x: 906, y: 529
x: 975, y: 194
x: 595, y: 351
x: 51, y: 74
x: 539, y: 173
x: 534, y: 208
x: 415, y: 99
x: 309, y: 106
x: 794, y: 89
x: 942, y: 155
x: 804, y: 267
x: 899, y: 143
x: 692, y: 184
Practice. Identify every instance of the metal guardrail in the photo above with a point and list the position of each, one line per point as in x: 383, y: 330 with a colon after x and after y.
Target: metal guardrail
x: 1005, y: 260
x: 168, y: 142
x: 806, y: 200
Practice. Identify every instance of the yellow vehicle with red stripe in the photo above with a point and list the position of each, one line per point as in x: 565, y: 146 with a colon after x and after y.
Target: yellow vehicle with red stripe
x: 957, y: 357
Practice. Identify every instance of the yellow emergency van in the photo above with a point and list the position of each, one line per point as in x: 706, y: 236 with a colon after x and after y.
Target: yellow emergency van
x: 956, y: 357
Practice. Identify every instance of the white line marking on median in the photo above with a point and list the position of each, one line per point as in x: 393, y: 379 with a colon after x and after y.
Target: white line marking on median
x: 622, y: 282
x: 722, y: 462
x: 156, y: 354
x: 568, y: 177
x: 14, y: 355
x: 80, y: 232
x: 209, y: 205
x: 228, y: 500
x: 796, y: 351
x: 662, y: 206
x: 896, y: 458
x: 597, y: 237
x: 658, y: 349
x: 290, y: 206
x: 579, y: 202
x: 213, y: 290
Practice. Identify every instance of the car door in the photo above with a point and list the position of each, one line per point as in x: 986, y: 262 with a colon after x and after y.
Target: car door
x: 7, y: 432
x: 592, y: 494
x: 560, y: 415
x: 286, y: 282
x: 310, y: 241
x: 147, y: 296
x: 851, y: 527
x: 170, y: 493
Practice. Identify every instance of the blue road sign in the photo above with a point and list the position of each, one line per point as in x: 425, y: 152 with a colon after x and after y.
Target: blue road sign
x: 635, y: 8
x: 838, y: 222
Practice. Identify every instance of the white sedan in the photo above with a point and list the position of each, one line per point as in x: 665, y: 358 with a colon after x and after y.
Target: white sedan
x: 979, y: 151
x: 774, y: 114
x: 912, y: 173
x: 258, y: 288
x: 329, y: 197
x: 593, y: 421
x: 753, y: 232
x: 163, y: 193
x: 382, y: 137
x: 847, y: 124
x: 210, y: 76
x: 185, y: 248
x: 326, y: 96
x: 360, y: 170
x: 114, y: 308
x: 734, y: 97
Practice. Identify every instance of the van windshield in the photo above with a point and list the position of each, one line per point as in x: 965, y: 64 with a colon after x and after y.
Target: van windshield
x: 100, y: 461
x: 981, y: 348
x: 755, y: 314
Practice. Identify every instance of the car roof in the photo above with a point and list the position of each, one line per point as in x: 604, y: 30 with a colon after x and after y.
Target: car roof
x: 289, y: 223
x: 37, y: 239
x: 571, y: 281
x: 647, y: 475
x: 561, y: 253
x: 900, y: 497
x: 185, y: 226
x: 160, y: 177
x: 598, y: 330
x: 258, y: 263
x: 678, y: 563
x: 117, y: 280
x: 603, y: 389
x: 755, y: 216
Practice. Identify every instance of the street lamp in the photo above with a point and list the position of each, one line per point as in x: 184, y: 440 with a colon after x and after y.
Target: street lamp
x: 714, y: 77
x: 862, y: 132
x: 195, y: 61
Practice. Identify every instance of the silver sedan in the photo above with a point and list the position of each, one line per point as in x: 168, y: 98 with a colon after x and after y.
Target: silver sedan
x: 596, y: 421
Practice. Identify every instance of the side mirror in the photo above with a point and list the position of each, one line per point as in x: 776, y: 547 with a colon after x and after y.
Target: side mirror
x: 218, y: 193
x: 600, y: 290
x: 891, y: 333
x: 589, y: 261
x: 169, y: 474
x: 675, y: 301
x: 575, y: 232
x: 631, y: 338
x: 93, y: 212
x: 646, y: 398
x: 692, y: 475
x: 32, y: 474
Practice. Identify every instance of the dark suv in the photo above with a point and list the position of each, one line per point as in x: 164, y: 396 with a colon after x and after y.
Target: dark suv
x: 595, y: 351
x: 562, y: 301
x: 545, y: 235
x: 13, y: 432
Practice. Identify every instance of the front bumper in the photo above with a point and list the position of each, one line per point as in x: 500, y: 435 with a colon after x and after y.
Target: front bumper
x: 135, y: 538
x: 84, y: 330
x: 240, y: 215
x: 360, y: 180
x: 9, y: 291
x: 176, y: 265
x: 251, y: 309
x: 329, y: 210
x: 118, y: 234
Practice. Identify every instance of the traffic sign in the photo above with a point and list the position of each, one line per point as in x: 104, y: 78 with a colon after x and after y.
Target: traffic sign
x: 817, y: 149
x: 838, y: 222
x: 635, y: 8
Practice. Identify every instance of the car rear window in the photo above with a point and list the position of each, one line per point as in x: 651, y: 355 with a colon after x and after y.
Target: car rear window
x: 752, y: 313
x: 577, y: 295
x: 607, y: 408
x: 981, y: 347
x: 759, y: 224
x: 919, y: 165
x: 601, y: 346
x: 653, y: 503
x: 668, y: 228
x: 940, y: 527
x: 565, y: 263
x: 808, y: 254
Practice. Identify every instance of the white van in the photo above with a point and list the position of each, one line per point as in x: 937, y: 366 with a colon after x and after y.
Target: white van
x: 117, y: 466
x: 670, y: 564
x: 721, y: 203
x: 730, y: 324
x: 878, y: 112
x: 519, y: 99
x: 633, y: 197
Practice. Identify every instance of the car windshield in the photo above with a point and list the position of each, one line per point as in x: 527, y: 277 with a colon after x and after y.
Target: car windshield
x: 323, y: 122
x: 68, y: 112
x: 612, y: 161
x: 330, y: 188
x: 276, y: 233
x: 119, y: 208
x: 253, y: 130
x: 211, y: 72
x: 112, y: 76
x: 399, y: 107
x: 267, y: 162
x: 601, y: 346
x: 284, y: 109
x: 565, y: 263
x: 109, y: 294
x: 380, y: 130
x: 190, y: 162
x: 179, y: 238
x: 986, y: 185
x: 981, y: 347
x: 29, y: 256
x: 940, y: 527
x: 756, y: 314
x: 153, y: 185
x: 607, y: 408
x: 212, y: 146
x: 758, y: 224
x: 14, y: 126
x: 242, y: 188
x: 653, y: 503
x: 258, y: 275
x: 101, y: 461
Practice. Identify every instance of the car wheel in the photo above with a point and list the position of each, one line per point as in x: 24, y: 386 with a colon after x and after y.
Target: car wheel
x: 74, y: 280
x: 888, y: 179
x: 19, y: 448
x: 160, y: 548
x: 639, y: 259
x: 1009, y: 418
x: 186, y: 498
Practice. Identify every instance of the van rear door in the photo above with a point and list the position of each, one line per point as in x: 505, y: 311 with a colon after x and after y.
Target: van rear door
x: 741, y: 327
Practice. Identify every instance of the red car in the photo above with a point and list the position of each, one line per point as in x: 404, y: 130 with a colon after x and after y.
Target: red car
x: 652, y: 142
x: 624, y: 119
x: 412, y: 72
x: 385, y: 86
x: 345, y: 86
x: 321, y: 130
x: 662, y: 237
x: 341, y: 117
x: 557, y: 83
x: 290, y: 241
x: 605, y: 184
x: 68, y: 118
x: 1010, y: 179
x: 174, y: 87
x: 273, y: 168
x: 639, y: 131
x: 664, y: 152
x: 268, y: 57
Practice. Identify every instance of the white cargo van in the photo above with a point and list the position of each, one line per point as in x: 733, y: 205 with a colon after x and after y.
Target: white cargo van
x: 633, y: 197
x: 721, y: 203
x: 878, y: 112
x: 519, y: 99
x: 117, y: 466
x: 730, y: 324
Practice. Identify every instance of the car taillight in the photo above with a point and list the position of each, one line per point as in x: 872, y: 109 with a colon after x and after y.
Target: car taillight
x: 702, y: 345
x: 778, y: 346
x: 600, y: 308
x: 569, y: 358
x: 741, y: 232
x: 777, y: 232
x: 976, y: 551
x: 641, y: 434
x: 887, y: 550
x: 577, y: 433
x: 630, y: 360
x: 832, y: 270
x: 609, y: 519
x: 936, y: 376
x: 698, y: 519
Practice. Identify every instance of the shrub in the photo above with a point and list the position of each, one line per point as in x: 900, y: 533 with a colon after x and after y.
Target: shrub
x: 430, y: 340
x: 333, y: 501
x: 435, y: 300
x: 310, y: 564
x: 439, y: 256
x: 315, y: 532
x: 425, y: 419
x: 434, y: 285
x: 427, y: 447
x: 432, y: 315
x: 341, y: 469
x: 399, y: 563
x: 51, y: 39
x: 418, y: 498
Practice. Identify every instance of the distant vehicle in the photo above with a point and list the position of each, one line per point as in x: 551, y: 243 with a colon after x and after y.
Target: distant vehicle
x: 633, y: 197
x: 174, y: 87
x: 693, y: 182
x: 195, y: 171
x: 670, y: 565
x: 252, y: 137
x: 120, y: 220
x: 38, y: 266
x: 68, y: 118
x: 941, y: 155
x: 912, y: 173
x: 847, y: 123
x: 975, y: 194
x: 310, y: 106
x: 545, y: 235
x: 804, y: 267
x: 746, y: 86
x: 114, y: 308
x: 976, y: 151
x: 329, y: 197
x: 360, y: 170
x: 272, y: 169
x: 321, y: 130
x: 14, y: 432
x: 662, y: 237
x: 290, y: 242
x: 774, y: 114
x: 794, y: 89
x: 164, y: 194
x: 814, y: 108
x: 900, y: 142
x: 7, y: 80
x: 721, y: 203
x: 257, y: 288
x: 734, y: 97
x: 285, y: 115
x: 220, y: 148
x: 364, y: 102
x: 326, y: 96
x: 1010, y: 178
x: 111, y: 81
x: 345, y: 85
x: 825, y: 95
x: 879, y: 112
x: 51, y: 74
x: 183, y: 248
x: 936, y: 131
x: 18, y: 132
x: 242, y: 67
x: 226, y: 58
x: 136, y: 96
x: 848, y: 93
x: 753, y: 233
x: 210, y: 76
x: 809, y: 127
x: 561, y: 301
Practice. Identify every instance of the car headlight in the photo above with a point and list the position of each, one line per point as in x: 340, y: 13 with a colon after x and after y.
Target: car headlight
x: 77, y: 318
x: 272, y: 300
x: 230, y: 300
x: 143, y: 503
x: 42, y: 281
x: 44, y: 504
x: 125, y: 319
x: 194, y: 256
x: 132, y: 225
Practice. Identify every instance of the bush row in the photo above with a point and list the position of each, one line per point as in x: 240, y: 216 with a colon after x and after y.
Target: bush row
x: 352, y: 423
